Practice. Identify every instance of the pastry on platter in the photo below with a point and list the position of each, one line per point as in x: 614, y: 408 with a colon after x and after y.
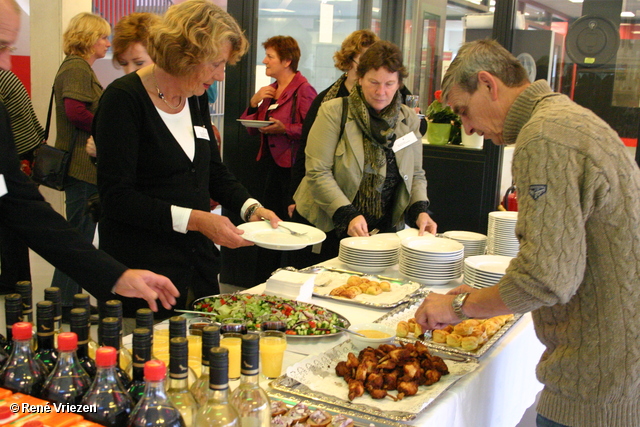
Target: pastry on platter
x: 319, y: 418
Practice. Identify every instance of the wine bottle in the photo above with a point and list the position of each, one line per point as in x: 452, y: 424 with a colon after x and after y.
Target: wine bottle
x: 84, y: 301
x: 141, y: 355
x: 68, y: 382
x: 155, y: 408
x: 144, y: 319
x: 249, y: 398
x: 111, y: 337
x: 45, y: 351
x: 79, y: 324
x: 12, y: 314
x: 178, y: 329
x: 107, y: 394
x: 177, y: 388
x: 113, y: 308
x: 200, y: 388
x: 25, y: 290
x: 54, y: 295
x: 23, y: 373
x: 217, y: 411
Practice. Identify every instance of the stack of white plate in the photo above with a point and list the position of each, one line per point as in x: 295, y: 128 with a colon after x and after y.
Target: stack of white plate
x: 474, y: 243
x: 482, y: 271
x: 501, y: 235
x: 431, y: 260
x: 370, y: 254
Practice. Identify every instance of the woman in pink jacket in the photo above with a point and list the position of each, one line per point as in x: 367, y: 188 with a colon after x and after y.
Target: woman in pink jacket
x: 285, y: 102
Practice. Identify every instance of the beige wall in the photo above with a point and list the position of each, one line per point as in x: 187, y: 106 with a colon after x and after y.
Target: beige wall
x: 47, y: 21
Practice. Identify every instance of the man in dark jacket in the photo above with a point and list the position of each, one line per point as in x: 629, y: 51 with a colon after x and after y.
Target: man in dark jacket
x: 24, y: 211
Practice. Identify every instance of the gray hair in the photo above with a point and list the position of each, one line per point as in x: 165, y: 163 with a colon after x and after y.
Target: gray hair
x: 482, y: 55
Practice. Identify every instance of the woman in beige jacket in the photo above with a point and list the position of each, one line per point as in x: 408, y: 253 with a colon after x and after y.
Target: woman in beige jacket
x: 364, y: 170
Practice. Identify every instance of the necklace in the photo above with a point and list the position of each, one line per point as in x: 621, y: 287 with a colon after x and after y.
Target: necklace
x: 160, y: 94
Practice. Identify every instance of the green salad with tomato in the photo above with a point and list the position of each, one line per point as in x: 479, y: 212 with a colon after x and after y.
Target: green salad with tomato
x: 301, y: 318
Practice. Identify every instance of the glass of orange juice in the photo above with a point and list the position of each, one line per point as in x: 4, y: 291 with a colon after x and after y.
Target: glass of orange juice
x: 272, y: 347
x: 233, y: 342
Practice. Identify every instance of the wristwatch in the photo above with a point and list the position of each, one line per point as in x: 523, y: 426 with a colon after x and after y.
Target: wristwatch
x: 457, y: 304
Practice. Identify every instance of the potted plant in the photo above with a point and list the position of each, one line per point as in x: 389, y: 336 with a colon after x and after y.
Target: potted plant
x: 440, y: 120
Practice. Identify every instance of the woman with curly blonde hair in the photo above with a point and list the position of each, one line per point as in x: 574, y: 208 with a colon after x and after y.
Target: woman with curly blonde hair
x: 158, y: 160
x: 77, y: 91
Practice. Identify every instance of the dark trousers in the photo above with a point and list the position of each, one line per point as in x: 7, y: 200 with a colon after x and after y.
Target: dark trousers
x: 14, y: 260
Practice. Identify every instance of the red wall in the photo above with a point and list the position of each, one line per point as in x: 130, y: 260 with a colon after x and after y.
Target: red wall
x: 21, y: 66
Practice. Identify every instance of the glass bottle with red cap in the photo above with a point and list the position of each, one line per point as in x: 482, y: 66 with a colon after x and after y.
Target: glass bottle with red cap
x: 155, y: 408
x: 107, y: 394
x: 23, y: 373
x: 68, y: 382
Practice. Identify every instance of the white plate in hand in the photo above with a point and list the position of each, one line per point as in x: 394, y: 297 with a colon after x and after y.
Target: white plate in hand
x: 262, y: 234
x: 255, y: 123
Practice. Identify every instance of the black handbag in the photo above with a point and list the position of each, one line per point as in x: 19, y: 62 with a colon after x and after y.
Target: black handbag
x: 51, y: 164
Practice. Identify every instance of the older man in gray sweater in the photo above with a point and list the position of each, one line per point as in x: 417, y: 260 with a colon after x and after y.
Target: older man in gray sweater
x: 578, y: 269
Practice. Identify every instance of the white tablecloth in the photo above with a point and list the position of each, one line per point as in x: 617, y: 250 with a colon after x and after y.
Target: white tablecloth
x: 495, y: 394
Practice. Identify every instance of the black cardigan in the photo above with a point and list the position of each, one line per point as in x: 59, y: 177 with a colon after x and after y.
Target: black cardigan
x: 142, y: 171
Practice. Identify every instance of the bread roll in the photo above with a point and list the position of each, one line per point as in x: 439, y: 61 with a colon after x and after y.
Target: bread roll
x: 337, y: 291
x: 439, y: 336
x: 354, y: 281
x: 351, y: 292
x: 491, y: 327
x: 454, y: 340
x: 373, y: 290
x: 385, y: 286
x: 402, y: 329
x: 448, y: 328
x: 469, y: 343
x: 463, y: 329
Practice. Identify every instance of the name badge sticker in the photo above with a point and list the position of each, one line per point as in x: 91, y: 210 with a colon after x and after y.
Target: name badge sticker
x: 201, y: 132
x: 405, y: 141
x: 3, y: 186
x: 272, y: 107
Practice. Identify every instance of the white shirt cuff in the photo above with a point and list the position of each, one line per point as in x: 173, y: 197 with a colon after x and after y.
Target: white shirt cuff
x: 180, y: 218
x: 246, y: 205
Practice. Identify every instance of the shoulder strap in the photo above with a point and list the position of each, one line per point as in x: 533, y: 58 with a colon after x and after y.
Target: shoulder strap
x: 343, y: 119
x: 48, y: 125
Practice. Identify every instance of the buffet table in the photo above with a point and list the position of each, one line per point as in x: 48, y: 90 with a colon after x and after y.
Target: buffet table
x: 497, y: 393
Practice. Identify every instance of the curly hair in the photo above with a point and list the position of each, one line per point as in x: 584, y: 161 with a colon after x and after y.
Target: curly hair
x: 132, y: 28
x: 192, y: 33
x: 84, y: 30
x: 287, y: 49
x: 353, y: 46
x: 382, y: 54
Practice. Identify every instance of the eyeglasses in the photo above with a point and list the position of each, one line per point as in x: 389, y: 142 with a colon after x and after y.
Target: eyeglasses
x: 7, y: 48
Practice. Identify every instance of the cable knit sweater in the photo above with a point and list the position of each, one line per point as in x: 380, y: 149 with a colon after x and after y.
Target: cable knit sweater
x: 578, y: 269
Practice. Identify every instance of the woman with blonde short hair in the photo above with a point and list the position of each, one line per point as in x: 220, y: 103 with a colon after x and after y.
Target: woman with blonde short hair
x: 159, y: 163
x: 77, y: 91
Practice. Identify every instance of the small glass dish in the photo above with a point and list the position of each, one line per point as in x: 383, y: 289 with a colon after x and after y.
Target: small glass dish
x: 196, y: 324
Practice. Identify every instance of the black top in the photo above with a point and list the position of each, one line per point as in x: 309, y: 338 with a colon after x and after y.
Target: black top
x: 142, y: 171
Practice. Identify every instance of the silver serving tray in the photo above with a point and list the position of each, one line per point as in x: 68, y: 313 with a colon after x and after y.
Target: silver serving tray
x: 359, y: 419
x: 420, y: 290
x: 405, y: 312
x: 324, y: 364
x: 340, y: 316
